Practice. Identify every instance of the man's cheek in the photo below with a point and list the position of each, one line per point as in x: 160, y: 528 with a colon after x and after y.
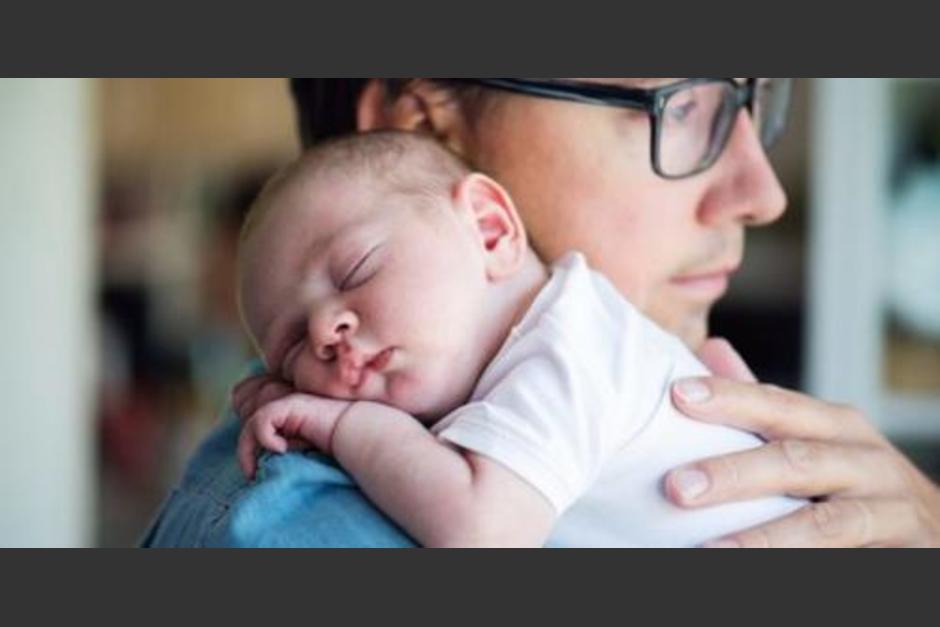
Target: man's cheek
x: 650, y: 297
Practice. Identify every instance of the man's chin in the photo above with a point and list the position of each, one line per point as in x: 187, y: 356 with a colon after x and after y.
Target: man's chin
x: 694, y: 331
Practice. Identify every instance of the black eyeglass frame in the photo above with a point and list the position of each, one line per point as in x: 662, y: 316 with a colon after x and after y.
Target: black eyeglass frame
x: 653, y: 101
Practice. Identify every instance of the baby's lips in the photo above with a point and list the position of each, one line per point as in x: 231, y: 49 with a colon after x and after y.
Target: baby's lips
x: 350, y: 373
x: 381, y: 360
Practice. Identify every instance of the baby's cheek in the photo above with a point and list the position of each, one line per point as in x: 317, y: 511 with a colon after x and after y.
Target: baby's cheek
x: 415, y: 393
x: 405, y: 392
x: 307, y: 376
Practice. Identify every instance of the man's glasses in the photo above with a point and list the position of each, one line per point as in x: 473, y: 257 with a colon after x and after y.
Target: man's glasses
x: 691, y: 120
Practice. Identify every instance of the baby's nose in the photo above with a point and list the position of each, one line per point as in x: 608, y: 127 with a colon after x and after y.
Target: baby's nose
x: 329, y: 331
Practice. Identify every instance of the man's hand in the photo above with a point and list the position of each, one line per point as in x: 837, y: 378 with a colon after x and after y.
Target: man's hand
x: 865, y: 492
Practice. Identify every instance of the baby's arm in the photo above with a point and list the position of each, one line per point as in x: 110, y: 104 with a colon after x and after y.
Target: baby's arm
x: 442, y: 495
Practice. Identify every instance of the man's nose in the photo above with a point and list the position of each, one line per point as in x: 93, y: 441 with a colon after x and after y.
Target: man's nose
x: 746, y: 189
x: 328, y: 328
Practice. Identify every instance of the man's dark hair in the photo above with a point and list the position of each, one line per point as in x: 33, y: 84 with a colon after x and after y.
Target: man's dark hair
x: 326, y: 107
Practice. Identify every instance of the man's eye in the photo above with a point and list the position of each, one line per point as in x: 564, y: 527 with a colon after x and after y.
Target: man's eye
x: 681, y: 111
x: 364, y: 269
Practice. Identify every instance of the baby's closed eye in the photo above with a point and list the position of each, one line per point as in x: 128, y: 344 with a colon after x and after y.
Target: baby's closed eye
x: 366, y: 267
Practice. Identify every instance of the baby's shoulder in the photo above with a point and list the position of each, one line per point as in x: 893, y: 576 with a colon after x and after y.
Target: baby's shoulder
x: 586, y: 303
x: 591, y: 317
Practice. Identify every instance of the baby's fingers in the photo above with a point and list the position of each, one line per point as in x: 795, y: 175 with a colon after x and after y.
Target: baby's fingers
x: 246, y: 389
x: 267, y: 425
x: 257, y: 393
x: 247, y: 451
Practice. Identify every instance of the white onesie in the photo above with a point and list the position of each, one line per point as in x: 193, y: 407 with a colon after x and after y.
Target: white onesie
x: 577, y: 403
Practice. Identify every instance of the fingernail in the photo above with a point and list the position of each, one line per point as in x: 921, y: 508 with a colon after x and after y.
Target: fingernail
x: 721, y: 544
x: 691, y: 484
x: 693, y: 391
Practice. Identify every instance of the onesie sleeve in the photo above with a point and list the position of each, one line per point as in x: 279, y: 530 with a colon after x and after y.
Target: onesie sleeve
x: 555, y: 408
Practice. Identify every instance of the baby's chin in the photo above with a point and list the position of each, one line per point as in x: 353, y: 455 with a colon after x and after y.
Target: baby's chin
x: 426, y: 409
x: 428, y: 395
x: 424, y: 400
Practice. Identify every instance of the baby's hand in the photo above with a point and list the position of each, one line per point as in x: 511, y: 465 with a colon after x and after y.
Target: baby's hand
x: 254, y: 392
x: 297, y: 416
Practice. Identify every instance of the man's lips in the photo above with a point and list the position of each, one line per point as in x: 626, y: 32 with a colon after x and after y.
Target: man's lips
x: 709, y: 284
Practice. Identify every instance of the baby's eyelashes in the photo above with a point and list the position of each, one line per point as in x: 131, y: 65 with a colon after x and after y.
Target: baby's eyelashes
x: 362, y: 270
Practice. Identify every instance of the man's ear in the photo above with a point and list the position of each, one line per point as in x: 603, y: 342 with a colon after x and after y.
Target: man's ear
x: 421, y: 106
x: 496, y: 222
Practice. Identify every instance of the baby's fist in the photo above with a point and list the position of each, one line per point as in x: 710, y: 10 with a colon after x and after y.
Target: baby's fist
x: 295, y: 417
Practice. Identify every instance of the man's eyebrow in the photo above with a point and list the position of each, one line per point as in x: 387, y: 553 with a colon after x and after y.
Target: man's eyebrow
x: 646, y: 83
x: 635, y: 83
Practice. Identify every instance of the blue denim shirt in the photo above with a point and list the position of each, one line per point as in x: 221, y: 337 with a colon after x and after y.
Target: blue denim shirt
x: 297, y: 500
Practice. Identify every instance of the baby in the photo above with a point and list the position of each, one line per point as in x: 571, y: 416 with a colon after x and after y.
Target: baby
x: 476, y: 396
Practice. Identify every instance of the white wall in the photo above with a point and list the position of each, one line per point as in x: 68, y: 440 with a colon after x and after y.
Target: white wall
x: 849, y: 190
x: 47, y: 169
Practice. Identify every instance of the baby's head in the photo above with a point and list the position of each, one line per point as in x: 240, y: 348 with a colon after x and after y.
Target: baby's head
x: 379, y: 267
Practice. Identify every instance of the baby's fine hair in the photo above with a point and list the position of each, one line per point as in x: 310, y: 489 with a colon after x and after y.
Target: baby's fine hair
x: 409, y: 163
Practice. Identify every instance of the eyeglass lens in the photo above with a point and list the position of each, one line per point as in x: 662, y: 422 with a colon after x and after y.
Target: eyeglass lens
x: 697, y: 121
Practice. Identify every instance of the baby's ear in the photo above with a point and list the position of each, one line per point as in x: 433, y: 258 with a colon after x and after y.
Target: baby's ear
x: 500, y: 231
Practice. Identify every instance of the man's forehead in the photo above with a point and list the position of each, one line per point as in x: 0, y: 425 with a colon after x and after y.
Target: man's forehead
x: 640, y: 83
x: 633, y: 82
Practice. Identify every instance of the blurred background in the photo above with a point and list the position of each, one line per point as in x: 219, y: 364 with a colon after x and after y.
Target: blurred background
x: 121, y: 201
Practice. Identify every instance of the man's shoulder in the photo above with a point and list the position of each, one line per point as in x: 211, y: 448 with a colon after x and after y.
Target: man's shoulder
x: 297, y: 500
